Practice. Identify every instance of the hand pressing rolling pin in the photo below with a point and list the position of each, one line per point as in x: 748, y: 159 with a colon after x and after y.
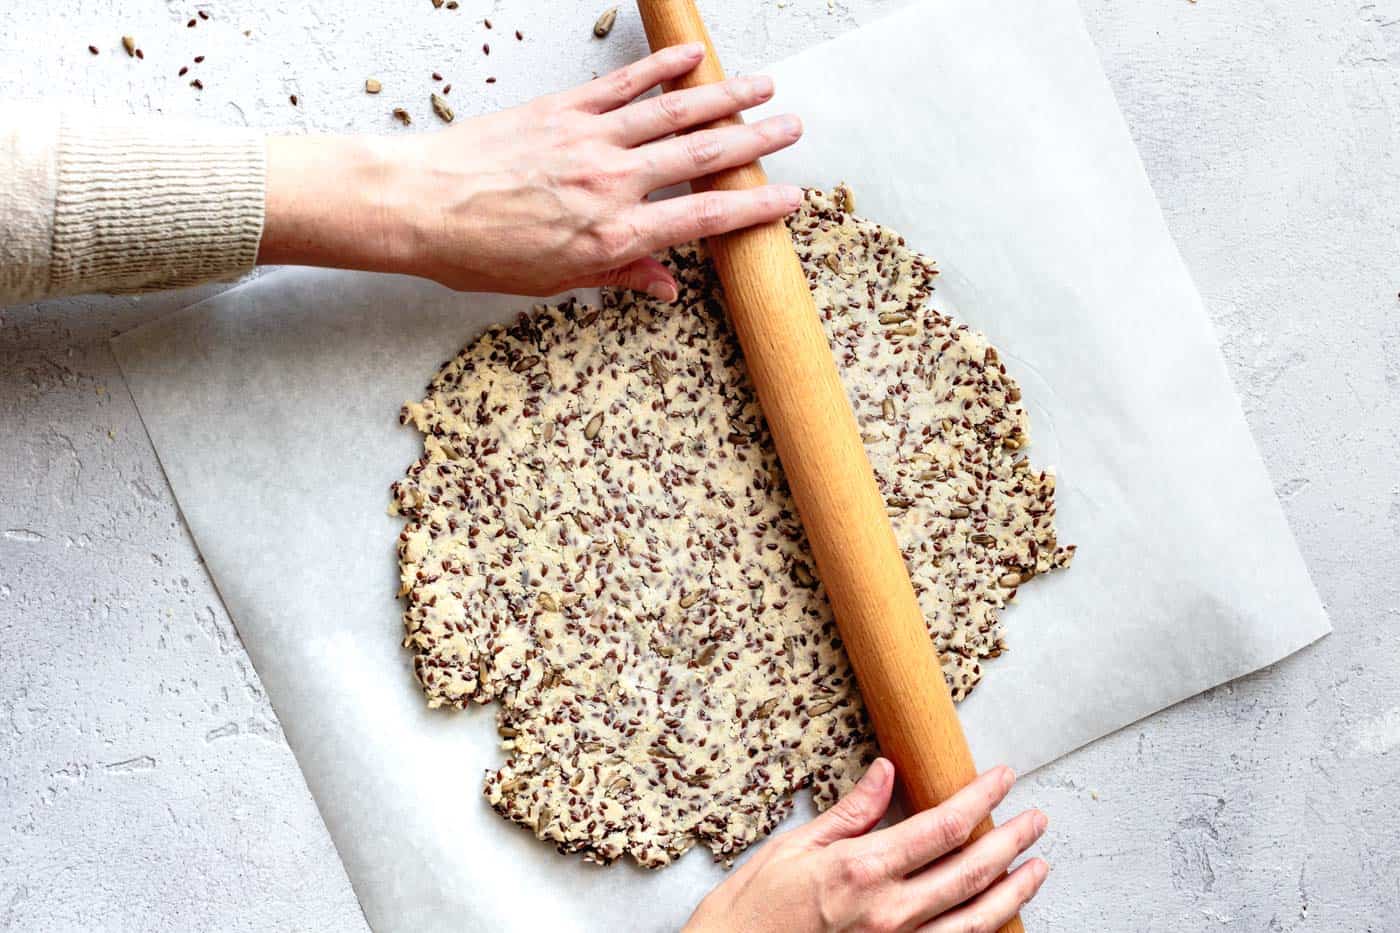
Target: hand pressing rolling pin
x: 534, y: 200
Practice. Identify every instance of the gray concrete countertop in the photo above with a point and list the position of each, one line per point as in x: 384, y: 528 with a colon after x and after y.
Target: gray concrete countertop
x: 144, y: 781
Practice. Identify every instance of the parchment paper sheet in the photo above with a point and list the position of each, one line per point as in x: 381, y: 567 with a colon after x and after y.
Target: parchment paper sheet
x: 985, y: 132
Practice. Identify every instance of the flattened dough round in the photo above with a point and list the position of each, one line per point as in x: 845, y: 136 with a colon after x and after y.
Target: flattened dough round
x: 601, y: 541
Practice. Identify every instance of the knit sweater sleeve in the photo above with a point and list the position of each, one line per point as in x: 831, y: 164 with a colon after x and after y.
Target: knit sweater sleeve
x: 88, y: 206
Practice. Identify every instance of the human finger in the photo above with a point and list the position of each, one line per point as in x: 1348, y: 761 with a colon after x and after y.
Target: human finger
x: 664, y: 114
x: 643, y: 275
x: 629, y: 82
x: 856, y: 812
x: 995, y: 906
x: 661, y: 224
x: 964, y: 875
x: 685, y: 158
x: 912, y: 843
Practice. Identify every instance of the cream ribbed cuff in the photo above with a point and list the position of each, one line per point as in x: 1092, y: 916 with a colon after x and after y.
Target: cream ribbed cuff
x: 150, y: 206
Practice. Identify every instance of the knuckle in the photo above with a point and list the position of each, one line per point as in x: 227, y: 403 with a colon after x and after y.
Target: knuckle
x: 859, y: 872
x: 702, y: 150
x: 597, y: 170
x: 711, y: 214
x: 883, y: 918
x: 844, y: 815
x: 674, y: 110
x: 614, y: 240
x: 978, y: 922
x: 622, y: 83
x: 595, y: 180
x: 972, y: 877
x: 952, y: 828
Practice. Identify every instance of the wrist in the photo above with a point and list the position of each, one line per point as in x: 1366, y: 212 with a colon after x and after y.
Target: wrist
x: 339, y: 202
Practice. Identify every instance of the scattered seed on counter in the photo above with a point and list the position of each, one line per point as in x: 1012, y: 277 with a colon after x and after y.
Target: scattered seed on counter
x: 437, y: 76
x: 93, y: 49
x: 203, y: 15
x: 605, y: 23
x: 486, y: 23
x: 452, y: 4
x: 490, y: 80
x: 441, y: 109
x: 141, y: 55
x: 191, y: 24
x: 184, y: 70
x: 198, y: 59
x: 402, y: 116
x: 486, y: 48
x: 129, y: 44
x: 519, y: 36
x: 446, y: 89
x: 293, y: 99
x: 372, y: 86
x: 197, y: 84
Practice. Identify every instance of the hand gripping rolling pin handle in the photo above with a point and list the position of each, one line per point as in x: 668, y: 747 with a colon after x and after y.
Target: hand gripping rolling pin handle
x: 842, y: 511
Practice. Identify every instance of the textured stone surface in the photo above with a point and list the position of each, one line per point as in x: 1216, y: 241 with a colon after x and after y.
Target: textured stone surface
x: 144, y: 784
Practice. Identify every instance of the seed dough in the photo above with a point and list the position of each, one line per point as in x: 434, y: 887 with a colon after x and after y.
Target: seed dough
x: 601, y: 541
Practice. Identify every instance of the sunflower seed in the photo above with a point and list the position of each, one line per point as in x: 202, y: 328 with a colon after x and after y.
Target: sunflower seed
x: 605, y: 23
x: 441, y: 109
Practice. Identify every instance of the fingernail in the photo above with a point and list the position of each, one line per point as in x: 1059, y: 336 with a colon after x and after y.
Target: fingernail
x: 790, y: 124
x: 791, y: 195
x: 761, y: 86
x: 693, y: 49
x: 1040, y: 822
x: 662, y: 291
x: 1008, y: 777
x: 1042, y: 869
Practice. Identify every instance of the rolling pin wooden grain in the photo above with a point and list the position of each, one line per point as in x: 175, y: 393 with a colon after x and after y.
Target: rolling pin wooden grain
x: 818, y: 441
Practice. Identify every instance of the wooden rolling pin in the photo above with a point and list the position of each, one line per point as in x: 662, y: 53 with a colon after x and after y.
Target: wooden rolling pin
x: 858, y: 558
